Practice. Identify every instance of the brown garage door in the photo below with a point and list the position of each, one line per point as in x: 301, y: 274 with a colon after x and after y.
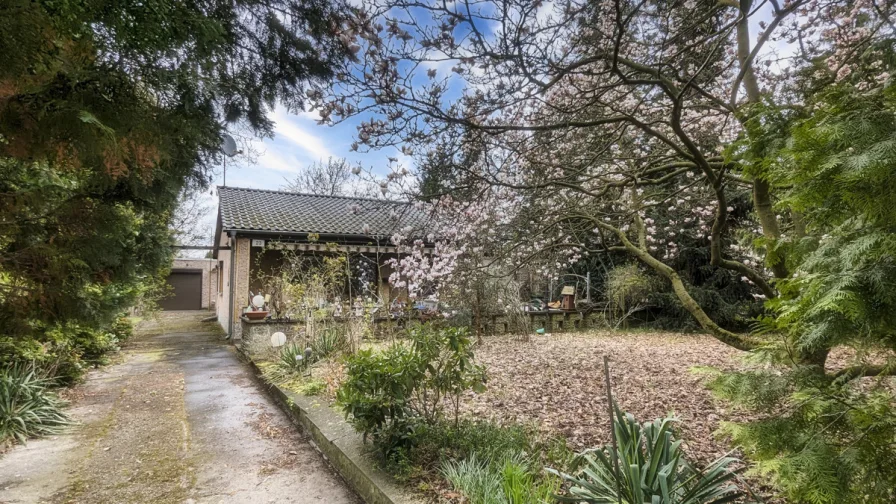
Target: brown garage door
x: 186, y: 293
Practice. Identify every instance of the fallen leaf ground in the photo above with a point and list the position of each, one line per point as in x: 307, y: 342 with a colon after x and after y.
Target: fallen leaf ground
x: 557, y: 382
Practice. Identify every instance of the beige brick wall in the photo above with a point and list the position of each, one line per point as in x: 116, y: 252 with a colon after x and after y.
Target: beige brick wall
x: 241, y: 283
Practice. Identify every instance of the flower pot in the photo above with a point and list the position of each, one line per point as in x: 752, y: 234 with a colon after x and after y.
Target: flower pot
x: 256, y: 315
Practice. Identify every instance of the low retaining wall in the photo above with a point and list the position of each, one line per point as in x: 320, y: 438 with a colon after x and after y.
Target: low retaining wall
x: 550, y: 321
x: 342, y: 446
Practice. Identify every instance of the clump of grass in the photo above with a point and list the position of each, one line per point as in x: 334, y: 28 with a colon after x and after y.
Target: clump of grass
x: 311, y: 387
x: 475, y: 480
x: 28, y: 408
x: 511, y: 454
x: 512, y: 481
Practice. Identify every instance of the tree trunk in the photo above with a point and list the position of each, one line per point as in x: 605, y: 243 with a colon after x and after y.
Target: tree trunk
x: 762, y: 201
x: 739, y: 341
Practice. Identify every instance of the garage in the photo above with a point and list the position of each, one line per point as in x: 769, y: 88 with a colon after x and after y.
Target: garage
x: 186, y: 291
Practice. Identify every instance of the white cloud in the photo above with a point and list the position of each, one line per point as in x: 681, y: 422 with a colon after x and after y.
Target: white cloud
x: 273, y: 160
x: 293, y: 132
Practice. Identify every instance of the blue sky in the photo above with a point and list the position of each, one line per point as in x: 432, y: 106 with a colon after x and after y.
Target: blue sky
x: 298, y: 142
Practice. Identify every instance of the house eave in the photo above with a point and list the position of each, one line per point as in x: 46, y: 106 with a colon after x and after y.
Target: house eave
x: 319, y: 237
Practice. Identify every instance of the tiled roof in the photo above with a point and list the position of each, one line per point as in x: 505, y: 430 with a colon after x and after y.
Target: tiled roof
x: 285, y: 212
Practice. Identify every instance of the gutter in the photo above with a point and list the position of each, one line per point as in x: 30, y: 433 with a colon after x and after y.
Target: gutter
x: 347, y: 237
x: 233, y: 249
x: 301, y: 233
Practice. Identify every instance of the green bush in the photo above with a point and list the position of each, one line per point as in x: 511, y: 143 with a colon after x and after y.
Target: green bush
x: 63, y: 352
x: 647, y: 466
x: 387, y: 395
x: 628, y: 287
x: 27, y: 408
x: 458, y: 441
x: 122, y: 328
x: 815, y: 441
x: 93, y: 345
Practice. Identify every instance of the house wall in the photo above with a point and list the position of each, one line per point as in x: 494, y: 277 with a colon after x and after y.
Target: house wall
x: 209, y: 278
x: 241, y: 283
x: 234, y: 306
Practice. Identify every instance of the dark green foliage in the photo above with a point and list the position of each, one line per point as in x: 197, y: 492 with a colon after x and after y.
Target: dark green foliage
x: 65, y: 352
x: 109, y: 111
x: 730, y: 300
x: 122, y: 328
x: 827, y: 442
x: 841, y: 167
x: 447, y: 440
x: 488, y: 451
x: 823, y: 435
x: 648, y: 465
x: 387, y: 395
x: 27, y: 407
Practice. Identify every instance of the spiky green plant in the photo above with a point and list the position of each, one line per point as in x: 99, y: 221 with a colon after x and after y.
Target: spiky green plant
x: 648, y: 465
x: 292, y: 358
x: 27, y: 408
x: 521, y: 485
x: 327, y: 343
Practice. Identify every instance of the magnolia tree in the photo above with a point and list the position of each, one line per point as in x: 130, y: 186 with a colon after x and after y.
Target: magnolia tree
x: 605, y: 114
x: 471, y: 258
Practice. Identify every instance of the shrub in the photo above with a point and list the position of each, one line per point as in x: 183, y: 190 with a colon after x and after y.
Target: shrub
x: 458, y: 441
x: 387, y: 395
x: 27, y: 408
x: 122, y: 328
x: 647, y: 466
x: 63, y: 352
x: 815, y: 441
x: 628, y: 289
x: 93, y: 344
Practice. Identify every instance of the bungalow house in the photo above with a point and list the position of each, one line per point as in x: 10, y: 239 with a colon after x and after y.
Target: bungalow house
x: 256, y: 227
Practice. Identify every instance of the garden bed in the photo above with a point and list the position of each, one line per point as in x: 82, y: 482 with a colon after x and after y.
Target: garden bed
x: 557, y: 383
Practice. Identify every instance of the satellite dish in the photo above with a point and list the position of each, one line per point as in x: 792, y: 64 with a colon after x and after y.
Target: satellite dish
x: 258, y: 301
x: 278, y: 339
x: 229, y: 146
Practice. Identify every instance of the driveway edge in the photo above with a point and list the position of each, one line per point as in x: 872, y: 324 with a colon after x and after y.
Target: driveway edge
x: 338, y: 441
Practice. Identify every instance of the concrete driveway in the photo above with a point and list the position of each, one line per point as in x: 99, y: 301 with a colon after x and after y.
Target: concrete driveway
x: 179, y: 420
